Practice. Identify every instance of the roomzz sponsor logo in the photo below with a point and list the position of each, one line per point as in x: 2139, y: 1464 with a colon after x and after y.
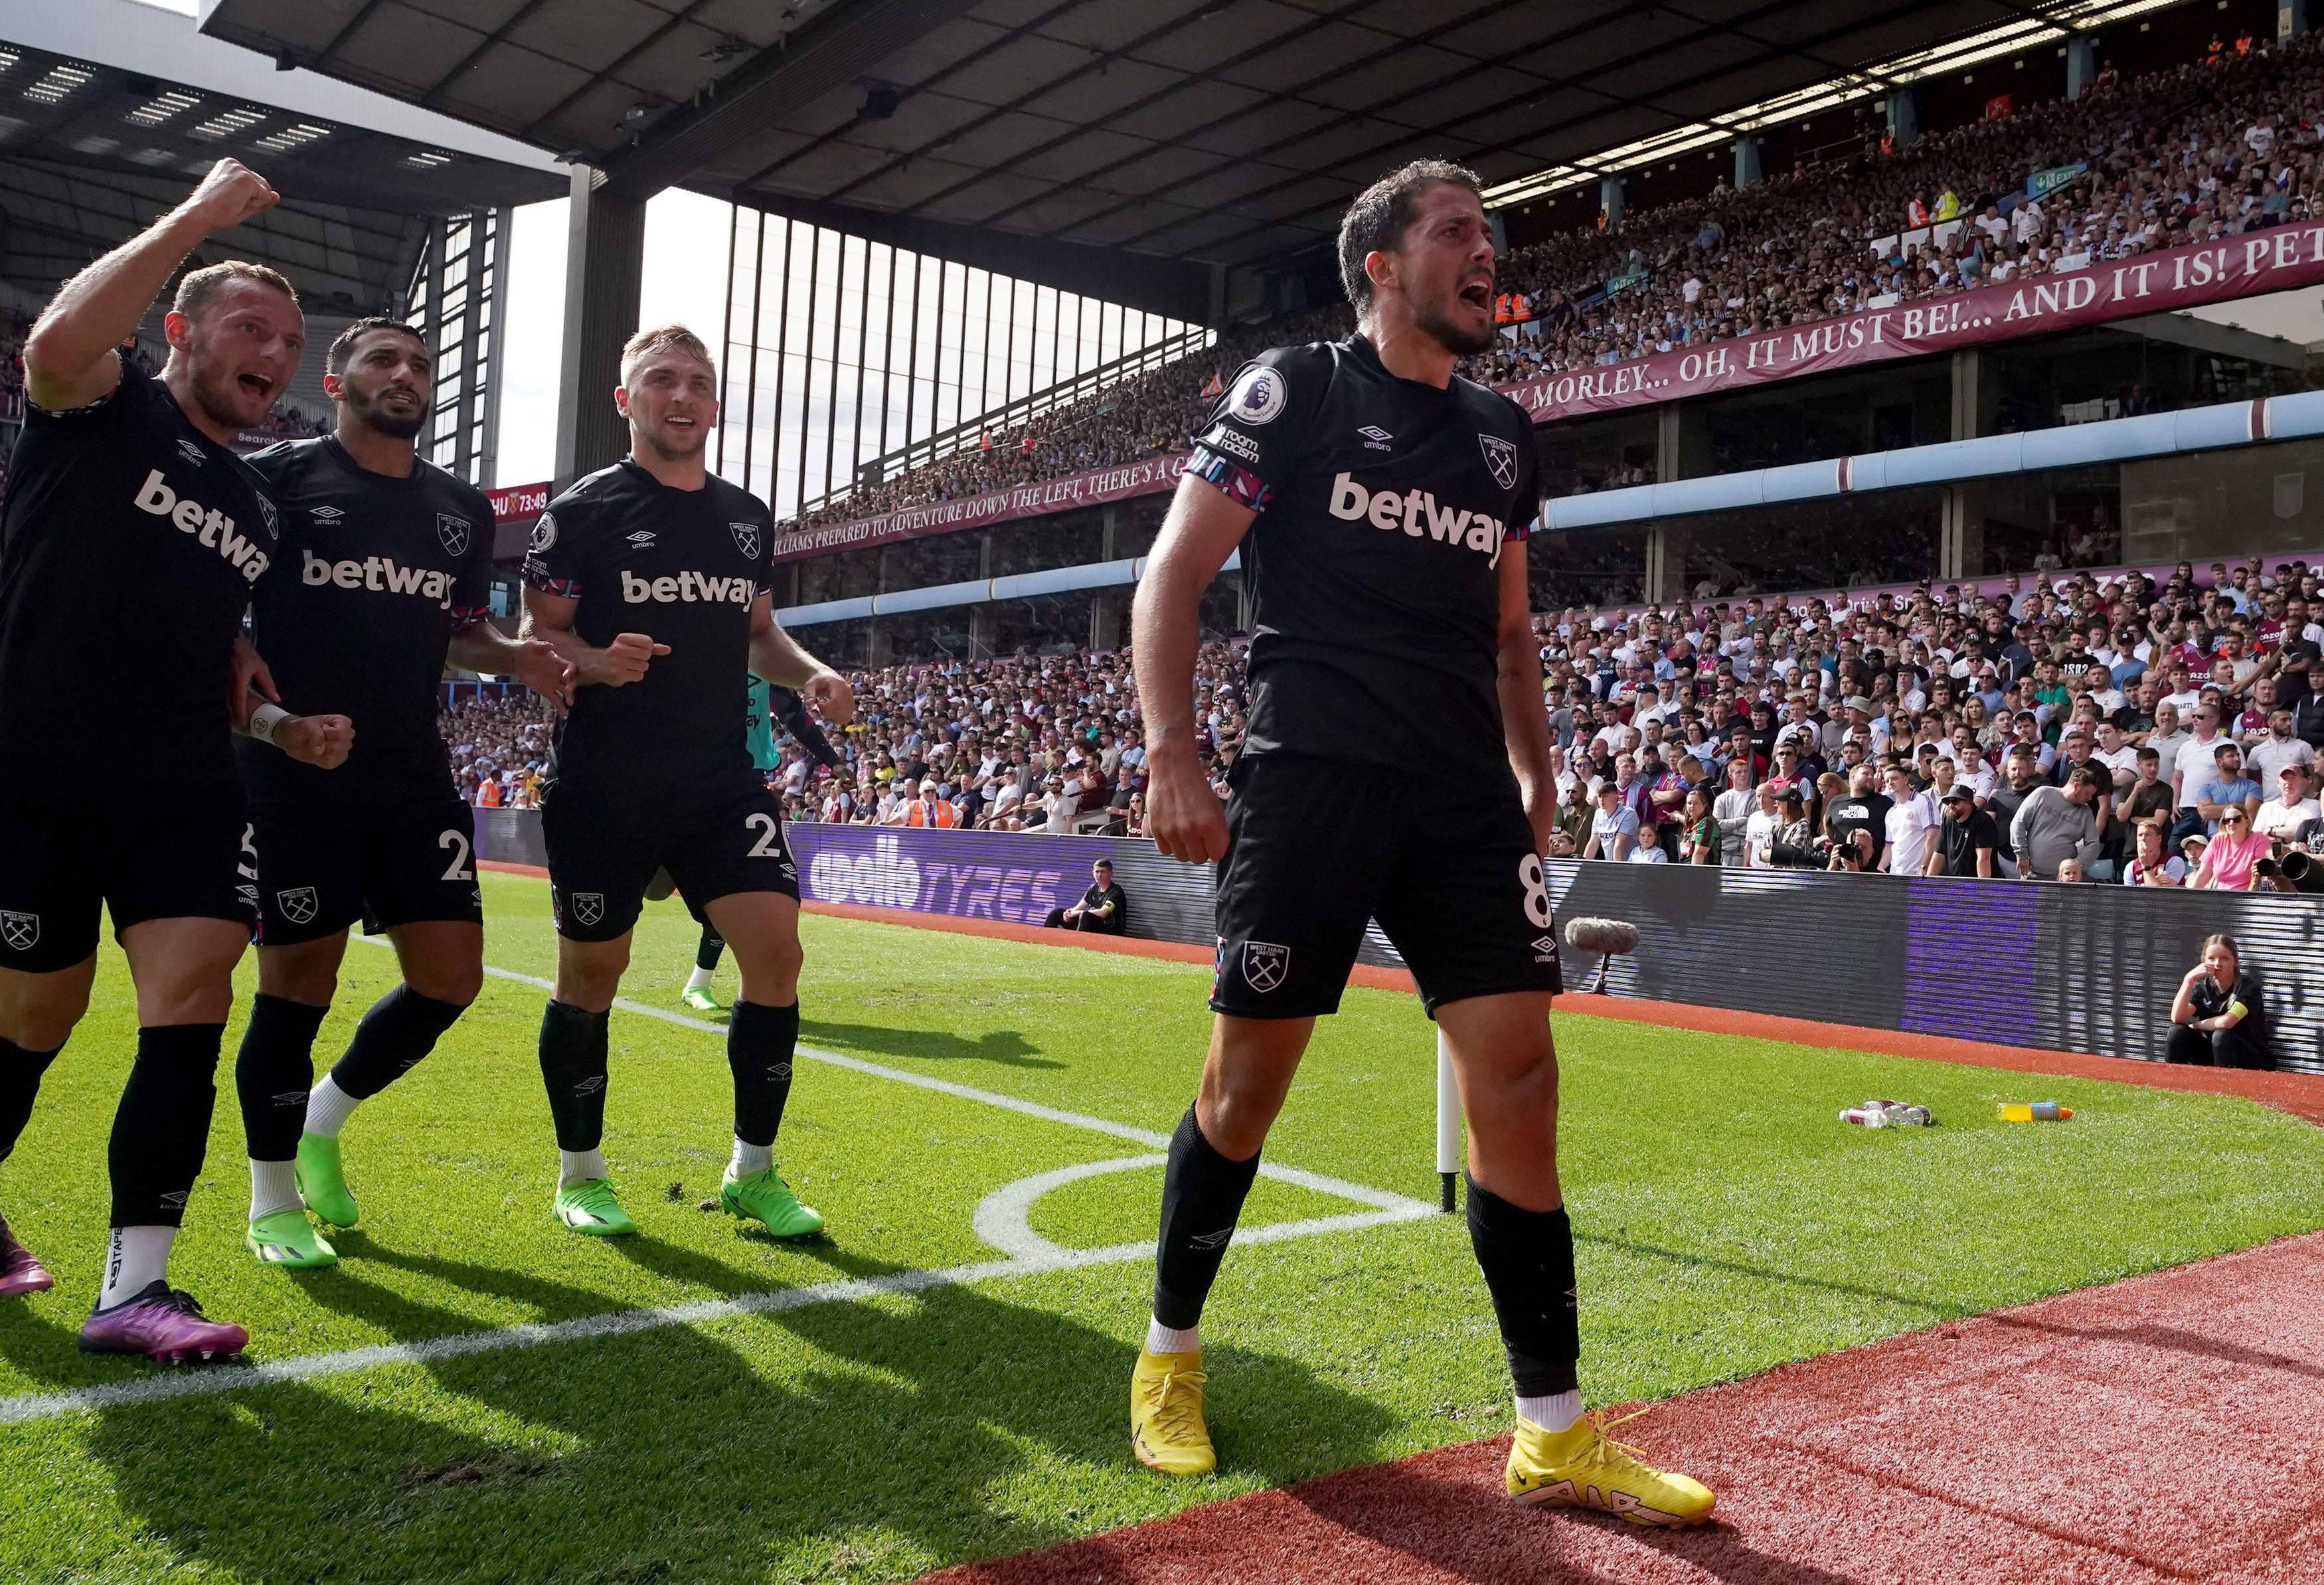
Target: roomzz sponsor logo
x: 378, y: 573
x: 209, y: 526
x: 691, y: 587
x: 1416, y: 512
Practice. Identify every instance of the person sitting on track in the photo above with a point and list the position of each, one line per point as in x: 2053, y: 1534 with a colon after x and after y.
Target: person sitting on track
x: 2218, y: 1017
x: 1103, y: 910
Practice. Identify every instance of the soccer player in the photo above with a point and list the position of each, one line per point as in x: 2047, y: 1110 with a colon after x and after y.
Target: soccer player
x: 1396, y: 767
x: 650, y: 577
x: 384, y: 569
x: 766, y: 704
x: 133, y: 536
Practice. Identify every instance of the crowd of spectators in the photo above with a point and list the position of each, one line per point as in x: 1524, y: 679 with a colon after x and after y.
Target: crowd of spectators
x: 2172, y: 159
x: 2066, y: 726
x: 2077, y: 728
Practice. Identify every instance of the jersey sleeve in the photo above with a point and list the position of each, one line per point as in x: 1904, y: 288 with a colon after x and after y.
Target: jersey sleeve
x: 1252, y: 441
x: 555, y: 559
x: 1524, y: 505
x: 471, y: 595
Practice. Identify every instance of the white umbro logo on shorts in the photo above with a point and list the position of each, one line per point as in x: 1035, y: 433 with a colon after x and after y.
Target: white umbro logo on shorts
x: 22, y: 932
x: 298, y: 904
x: 588, y: 907
x: 1265, y: 964
x: 1544, y: 949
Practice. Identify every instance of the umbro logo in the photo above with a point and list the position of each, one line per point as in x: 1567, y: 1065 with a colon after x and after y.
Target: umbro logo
x: 642, y: 540
x: 590, y: 1086
x: 176, y: 1197
x: 325, y: 515
x: 193, y: 452
x: 1544, y: 949
x: 1217, y: 1240
x: 1375, y: 438
x: 291, y: 1098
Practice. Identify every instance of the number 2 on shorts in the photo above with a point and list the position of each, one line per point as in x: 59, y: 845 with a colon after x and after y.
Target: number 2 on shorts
x: 764, y: 848
x: 459, y: 869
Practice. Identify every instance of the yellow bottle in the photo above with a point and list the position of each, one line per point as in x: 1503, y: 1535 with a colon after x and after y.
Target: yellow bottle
x: 2036, y: 1112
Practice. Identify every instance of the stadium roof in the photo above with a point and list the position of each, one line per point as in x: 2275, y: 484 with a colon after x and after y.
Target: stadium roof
x: 108, y: 111
x: 1211, y: 132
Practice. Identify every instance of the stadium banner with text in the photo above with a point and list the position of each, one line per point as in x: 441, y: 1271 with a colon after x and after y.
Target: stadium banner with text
x: 2152, y: 283
x: 1094, y: 488
x: 2275, y: 260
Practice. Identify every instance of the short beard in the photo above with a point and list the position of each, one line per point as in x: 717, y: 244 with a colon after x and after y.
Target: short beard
x: 368, y: 414
x: 1437, y: 326
x: 217, y: 397
x: 659, y: 442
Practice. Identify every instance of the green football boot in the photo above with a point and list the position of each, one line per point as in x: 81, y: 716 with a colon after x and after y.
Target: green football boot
x: 590, y: 1207
x: 764, y: 1197
x: 323, y: 1181
x: 286, y: 1238
x: 699, y: 999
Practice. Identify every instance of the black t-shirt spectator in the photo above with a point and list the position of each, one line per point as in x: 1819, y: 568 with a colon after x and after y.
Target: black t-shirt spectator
x: 1110, y: 898
x: 1854, y: 812
x: 1959, y: 842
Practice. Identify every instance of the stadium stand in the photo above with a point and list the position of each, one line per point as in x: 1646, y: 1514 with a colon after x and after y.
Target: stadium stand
x: 2172, y: 159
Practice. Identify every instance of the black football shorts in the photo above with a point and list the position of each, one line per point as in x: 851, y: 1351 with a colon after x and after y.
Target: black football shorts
x: 187, y: 855
x: 321, y: 871
x: 1317, y: 848
x: 604, y: 851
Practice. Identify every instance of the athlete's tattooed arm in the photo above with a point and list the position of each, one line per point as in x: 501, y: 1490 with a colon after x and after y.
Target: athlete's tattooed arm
x: 549, y: 618
x: 1204, y: 525
x: 479, y: 646
x: 71, y: 358
x: 1524, y: 723
x: 776, y: 656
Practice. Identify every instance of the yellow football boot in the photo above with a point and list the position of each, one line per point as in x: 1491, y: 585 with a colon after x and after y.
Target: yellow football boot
x: 1581, y: 1467
x: 1165, y: 1415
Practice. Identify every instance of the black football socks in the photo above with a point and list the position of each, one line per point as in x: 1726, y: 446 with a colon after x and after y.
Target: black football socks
x: 572, y: 1068
x: 402, y: 1027
x: 1528, y: 1259
x: 162, y: 1129
x: 1202, y: 1196
x: 761, y: 1042
x: 20, y: 1087
x: 272, y: 1073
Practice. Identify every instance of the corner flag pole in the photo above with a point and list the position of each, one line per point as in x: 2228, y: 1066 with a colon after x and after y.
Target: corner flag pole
x: 1448, y: 1126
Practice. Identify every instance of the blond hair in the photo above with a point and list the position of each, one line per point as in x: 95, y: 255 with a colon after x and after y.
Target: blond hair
x: 198, y: 286
x: 656, y: 337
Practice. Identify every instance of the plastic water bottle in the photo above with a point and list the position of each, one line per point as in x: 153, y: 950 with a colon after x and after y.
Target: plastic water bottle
x: 2035, y: 1112
x: 1887, y: 1114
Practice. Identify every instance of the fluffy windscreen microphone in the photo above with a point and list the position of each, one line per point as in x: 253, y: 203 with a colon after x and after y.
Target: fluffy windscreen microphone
x: 1601, y: 935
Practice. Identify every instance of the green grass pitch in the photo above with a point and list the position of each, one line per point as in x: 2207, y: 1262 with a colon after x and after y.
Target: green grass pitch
x: 1727, y: 1223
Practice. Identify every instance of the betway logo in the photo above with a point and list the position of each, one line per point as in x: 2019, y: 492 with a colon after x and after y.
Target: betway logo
x: 689, y: 586
x: 1416, y: 512
x: 377, y: 573
x: 209, y: 526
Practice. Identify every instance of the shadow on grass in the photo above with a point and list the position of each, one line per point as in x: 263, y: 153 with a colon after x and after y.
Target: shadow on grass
x: 871, y: 1440
x: 1006, y: 1046
x: 1770, y: 1275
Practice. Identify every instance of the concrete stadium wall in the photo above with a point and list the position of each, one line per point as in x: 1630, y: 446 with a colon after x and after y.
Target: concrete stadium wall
x: 2064, y: 968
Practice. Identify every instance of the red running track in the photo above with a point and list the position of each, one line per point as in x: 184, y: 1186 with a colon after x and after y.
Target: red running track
x: 2169, y: 1427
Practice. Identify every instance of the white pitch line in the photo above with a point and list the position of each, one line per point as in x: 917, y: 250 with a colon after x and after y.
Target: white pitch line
x: 1001, y: 1219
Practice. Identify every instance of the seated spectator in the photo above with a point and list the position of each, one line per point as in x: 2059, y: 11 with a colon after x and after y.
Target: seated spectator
x: 2152, y: 863
x: 2218, y: 1018
x: 2229, y: 861
x: 1103, y: 910
x: 2295, y: 803
x: 1649, y: 850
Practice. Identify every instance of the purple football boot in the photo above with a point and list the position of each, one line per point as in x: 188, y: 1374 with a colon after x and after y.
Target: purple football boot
x: 163, y: 1323
x: 21, y: 1271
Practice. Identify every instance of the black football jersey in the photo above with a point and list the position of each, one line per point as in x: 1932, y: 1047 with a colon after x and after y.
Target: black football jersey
x: 356, y: 614
x: 129, y: 543
x: 1374, y: 562
x: 682, y: 566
